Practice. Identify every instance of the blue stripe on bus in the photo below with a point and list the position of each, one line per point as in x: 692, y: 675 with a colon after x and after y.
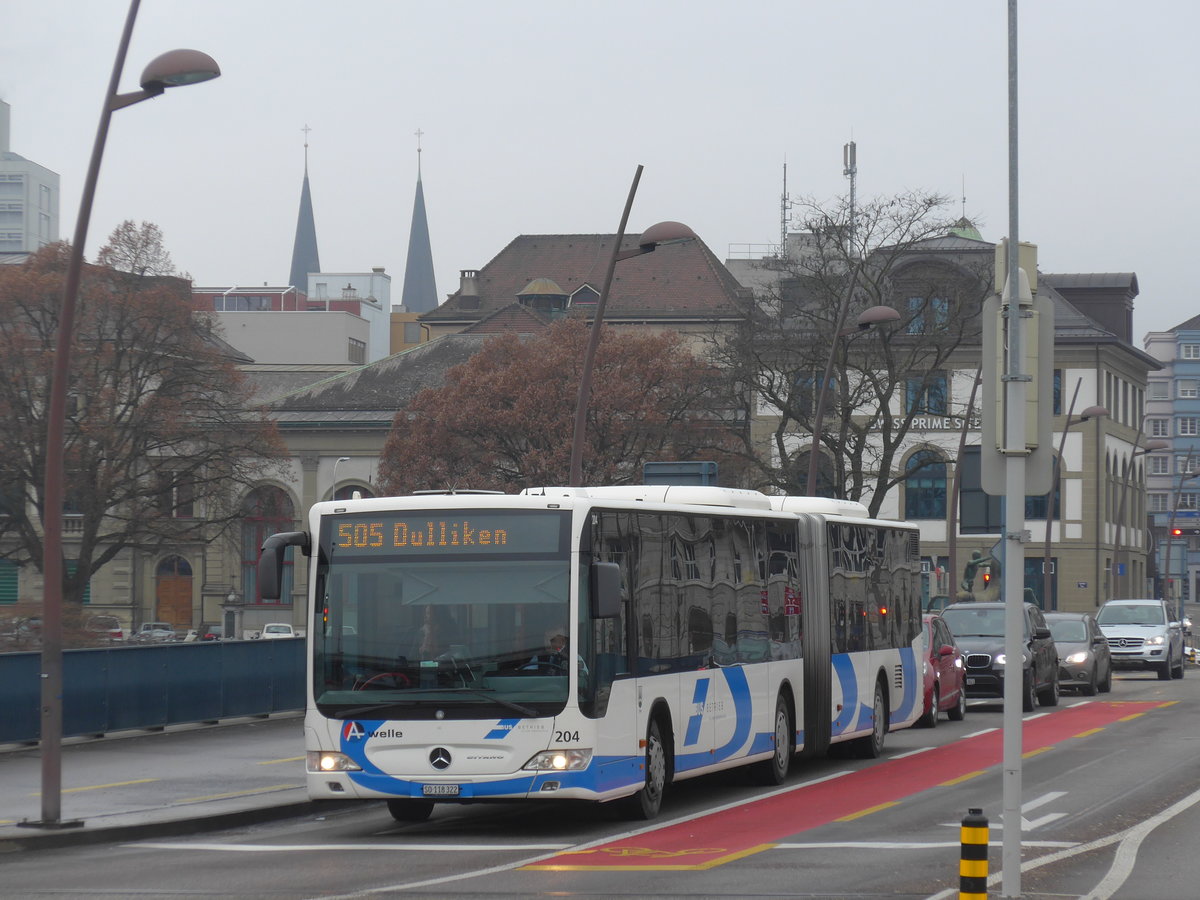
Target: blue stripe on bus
x: 699, y: 695
x: 502, y: 729
x: 843, y: 670
x: 908, y: 666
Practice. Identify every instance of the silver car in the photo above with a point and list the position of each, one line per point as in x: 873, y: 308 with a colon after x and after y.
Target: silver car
x: 1142, y: 635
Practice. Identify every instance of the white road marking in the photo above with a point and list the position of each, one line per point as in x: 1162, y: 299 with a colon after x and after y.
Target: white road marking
x: 307, y: 848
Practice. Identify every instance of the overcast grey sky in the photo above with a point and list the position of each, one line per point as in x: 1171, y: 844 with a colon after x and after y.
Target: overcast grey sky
x: 535, y: 115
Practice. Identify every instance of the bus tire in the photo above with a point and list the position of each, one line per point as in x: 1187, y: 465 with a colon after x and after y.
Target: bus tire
x: 647, y: 802
x: 410, y: 810
x: 774, y: 771
x: 871, y: 746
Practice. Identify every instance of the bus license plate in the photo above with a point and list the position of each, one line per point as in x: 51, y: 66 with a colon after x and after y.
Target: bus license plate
x: 440, y: 790
x: 969, y: 681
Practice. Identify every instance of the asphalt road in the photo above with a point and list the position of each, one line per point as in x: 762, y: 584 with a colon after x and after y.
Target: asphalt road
x: 1111, y: 802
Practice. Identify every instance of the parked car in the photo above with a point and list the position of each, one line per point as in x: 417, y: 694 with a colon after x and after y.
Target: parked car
x: 154, y: 633
x: 277, y: 630
x: 1084, y: 660
x: 978, y: 628
x: 945, y: 673
x: 1142, y: 635
x: 105, y: 629
x: 210, y: 632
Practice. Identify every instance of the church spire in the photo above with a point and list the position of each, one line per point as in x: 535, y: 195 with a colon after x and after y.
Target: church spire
x: 420, y: 291
x: 304, y: 251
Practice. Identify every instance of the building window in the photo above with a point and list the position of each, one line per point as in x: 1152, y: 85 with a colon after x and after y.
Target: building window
x: 926, y: 395
x: 9, y: 579
x: 1159, y: 428
x: 1156, y: 502
x: 1158, y: 390
x: 927, y: 314
x: 1186, y: 465
x: 1187, y: 387
x: 1189, y: 351
x: 176, y: 496
x: 357, y: 352
x: 925, y: 486
x: 1160, y: 465
x: 980, y: 512
x: 71, y: 566
x: 586, y: 296
x: 1188, y: 500
x: 265, y: 511
x: 1058, y: 382
x: 1189, y: 426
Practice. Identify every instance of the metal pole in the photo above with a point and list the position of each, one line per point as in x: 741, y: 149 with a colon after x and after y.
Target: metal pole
x: 52, y: 492
x: 1168, y: 590
x: 956, y: 483
x: 589, y: 354
x: 1055, y: 492
x: 810, y: 488
x: 1014, y: 508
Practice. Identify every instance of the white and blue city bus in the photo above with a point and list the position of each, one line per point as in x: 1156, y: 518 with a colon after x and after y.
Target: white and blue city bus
x: 706, y: 628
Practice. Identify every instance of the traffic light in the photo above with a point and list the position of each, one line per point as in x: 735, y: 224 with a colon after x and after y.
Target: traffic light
x: 1180, y: 532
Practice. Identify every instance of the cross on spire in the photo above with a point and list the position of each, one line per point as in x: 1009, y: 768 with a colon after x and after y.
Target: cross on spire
x: 306, y: 130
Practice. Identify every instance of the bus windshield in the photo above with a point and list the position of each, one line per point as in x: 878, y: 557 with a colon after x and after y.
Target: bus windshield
x: 434, y: 614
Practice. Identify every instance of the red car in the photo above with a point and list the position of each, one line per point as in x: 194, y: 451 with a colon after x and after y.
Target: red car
x: 945, y: 671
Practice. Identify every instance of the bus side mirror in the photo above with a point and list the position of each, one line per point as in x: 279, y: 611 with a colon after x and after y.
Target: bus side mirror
x: 270, y: 561
x: 604, y: 585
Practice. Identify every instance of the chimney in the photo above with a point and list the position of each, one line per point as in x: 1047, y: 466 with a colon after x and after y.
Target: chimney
x: 466, y: 282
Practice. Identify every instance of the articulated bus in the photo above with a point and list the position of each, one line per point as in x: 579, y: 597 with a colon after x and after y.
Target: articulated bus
x: 693, y: 629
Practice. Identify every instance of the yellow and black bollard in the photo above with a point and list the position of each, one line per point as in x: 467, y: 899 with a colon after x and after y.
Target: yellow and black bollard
x: 973, y: 857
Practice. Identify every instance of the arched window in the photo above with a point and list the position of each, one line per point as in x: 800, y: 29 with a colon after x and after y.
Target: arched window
x: 347, y: 491
x: 925, y: 486
x: 265, y: 511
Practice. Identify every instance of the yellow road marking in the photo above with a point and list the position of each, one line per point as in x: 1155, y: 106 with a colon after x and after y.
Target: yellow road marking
x: 263, y: 790
x: 1089, y: 732
x: 100, y: 787
x: 710, y: 864
x: 866, y: 812
x: 961, y: 778
x: 1035, y: 752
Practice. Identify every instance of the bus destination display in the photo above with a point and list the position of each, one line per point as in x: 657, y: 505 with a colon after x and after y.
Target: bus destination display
x: 449, y: 533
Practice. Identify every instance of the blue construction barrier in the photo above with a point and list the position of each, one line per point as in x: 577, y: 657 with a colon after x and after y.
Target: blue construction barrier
x: 150, y: 686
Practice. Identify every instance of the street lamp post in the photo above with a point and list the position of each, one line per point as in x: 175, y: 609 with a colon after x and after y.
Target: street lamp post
x: 1127, y: 476
x: 1186, y: 475
x: 1092, y: 412
x: 874, y: 315
x: 652, y: 238
x: 333, y: 487
x: 177, y: 67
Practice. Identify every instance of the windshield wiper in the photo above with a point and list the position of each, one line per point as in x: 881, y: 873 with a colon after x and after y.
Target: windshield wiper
x: 356, y: 711
x: 499, y: 701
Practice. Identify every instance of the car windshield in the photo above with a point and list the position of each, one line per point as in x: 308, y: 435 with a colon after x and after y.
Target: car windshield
x: 1132, y: 614
x: 1068, y: 630
x: 969, y: 622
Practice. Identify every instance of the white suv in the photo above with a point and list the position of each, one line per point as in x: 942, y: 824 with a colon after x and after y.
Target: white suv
x: 1142, y: 635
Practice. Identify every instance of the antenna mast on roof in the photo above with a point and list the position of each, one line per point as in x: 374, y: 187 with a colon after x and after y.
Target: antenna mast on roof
x: 785, y: 206
x: 850, y: 170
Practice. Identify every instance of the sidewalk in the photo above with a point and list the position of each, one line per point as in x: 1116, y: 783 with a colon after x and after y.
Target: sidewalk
x: 181, y: 780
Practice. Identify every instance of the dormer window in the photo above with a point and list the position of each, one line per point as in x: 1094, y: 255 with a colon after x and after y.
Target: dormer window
x: 585, y: 296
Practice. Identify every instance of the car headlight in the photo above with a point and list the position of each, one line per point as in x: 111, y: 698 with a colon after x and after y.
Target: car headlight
x: 1079, y: 657
x: 559, y: 760
x: 330, y: 761
x: 1156, y: 641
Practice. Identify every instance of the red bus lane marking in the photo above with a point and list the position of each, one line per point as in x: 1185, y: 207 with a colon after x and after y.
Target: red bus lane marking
x: 717, y: 838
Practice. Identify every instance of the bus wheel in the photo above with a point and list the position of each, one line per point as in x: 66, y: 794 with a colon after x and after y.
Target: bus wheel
x: 871, y: 746
x: 410, y: 810
x: 646, y: 803
x: 775, y: 769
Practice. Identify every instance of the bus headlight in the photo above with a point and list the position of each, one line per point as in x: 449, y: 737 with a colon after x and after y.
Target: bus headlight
x: 330, y: 761
x: 559, y: 760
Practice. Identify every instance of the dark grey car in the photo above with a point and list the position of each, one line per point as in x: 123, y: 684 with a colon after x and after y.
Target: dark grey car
x: 979, y: 629
x: 1084, y: 660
